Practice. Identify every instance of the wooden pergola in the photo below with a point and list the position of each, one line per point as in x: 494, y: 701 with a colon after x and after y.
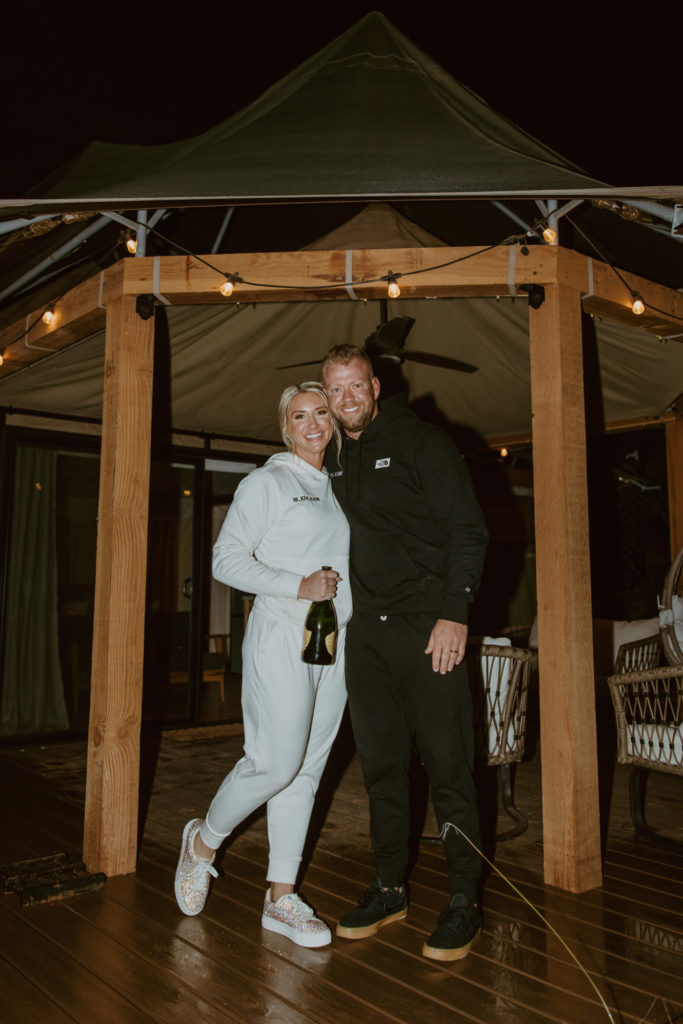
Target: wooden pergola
x: 572, y: 282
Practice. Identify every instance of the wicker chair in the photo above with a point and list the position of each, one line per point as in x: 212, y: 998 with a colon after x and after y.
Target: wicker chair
x: 673, y: 585
x: 499, y: 679
x: 639, y: 655
x: 648, y: 706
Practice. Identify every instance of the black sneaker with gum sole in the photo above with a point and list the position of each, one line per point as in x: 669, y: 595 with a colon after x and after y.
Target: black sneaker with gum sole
x: 377, y: 906
x: 458, y: 928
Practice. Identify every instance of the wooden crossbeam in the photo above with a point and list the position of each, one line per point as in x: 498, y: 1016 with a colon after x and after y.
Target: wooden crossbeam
x: 298, y: 276
x: 80, y: 313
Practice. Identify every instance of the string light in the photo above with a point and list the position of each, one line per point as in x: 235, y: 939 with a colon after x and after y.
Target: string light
x: 393, y: 290
x: 504, y: 453
x: 2, y: 357
x: 228, y: 285
x: 638, y: 306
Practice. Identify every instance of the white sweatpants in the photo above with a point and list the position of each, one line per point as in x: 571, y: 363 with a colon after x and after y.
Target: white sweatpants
x: 291, y: 714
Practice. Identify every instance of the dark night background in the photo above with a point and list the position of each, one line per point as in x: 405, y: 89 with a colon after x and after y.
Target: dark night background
x: 595, y: 82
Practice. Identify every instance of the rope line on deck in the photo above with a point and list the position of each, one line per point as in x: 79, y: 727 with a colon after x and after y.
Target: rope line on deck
x: 444, y: 832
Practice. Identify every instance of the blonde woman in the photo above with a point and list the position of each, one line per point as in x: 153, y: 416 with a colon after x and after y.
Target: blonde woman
x: 283, y: 525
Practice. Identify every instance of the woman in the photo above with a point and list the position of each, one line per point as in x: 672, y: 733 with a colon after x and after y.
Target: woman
x: 283, y: 525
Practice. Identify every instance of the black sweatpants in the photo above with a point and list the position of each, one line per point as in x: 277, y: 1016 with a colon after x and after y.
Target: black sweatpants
x: 393, y: 693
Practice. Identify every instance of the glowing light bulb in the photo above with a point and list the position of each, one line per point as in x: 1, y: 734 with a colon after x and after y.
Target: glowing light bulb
x: 393, y: 289
x: 226, y: 289
x: 638, y: 306
x: 504, y: 453
x: 48, y: 316
x: 132, y: 245
x: 2, y: 358
x: 549, y: 234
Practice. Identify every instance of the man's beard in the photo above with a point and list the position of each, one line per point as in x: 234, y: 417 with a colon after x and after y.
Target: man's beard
x: 359, y: 422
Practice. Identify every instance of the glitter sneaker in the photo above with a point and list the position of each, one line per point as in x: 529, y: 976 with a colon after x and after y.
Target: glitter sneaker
x: 193, y: 874
x: 292, y: 917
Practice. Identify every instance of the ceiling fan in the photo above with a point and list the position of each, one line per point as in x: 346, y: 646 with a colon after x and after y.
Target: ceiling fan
x: 386, y: 345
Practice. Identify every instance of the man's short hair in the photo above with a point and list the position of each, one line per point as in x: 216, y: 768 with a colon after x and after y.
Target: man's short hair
x: 345, y: 354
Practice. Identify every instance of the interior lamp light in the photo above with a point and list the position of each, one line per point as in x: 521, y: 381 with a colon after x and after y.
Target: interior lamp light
x: 48, y: 316
x: 638, y: 306
x: 393, y: 290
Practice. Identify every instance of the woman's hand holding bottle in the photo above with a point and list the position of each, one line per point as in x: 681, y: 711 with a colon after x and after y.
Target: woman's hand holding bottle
x: 321, y: 585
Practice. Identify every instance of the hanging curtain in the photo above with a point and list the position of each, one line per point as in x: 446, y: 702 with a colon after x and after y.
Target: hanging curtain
x: 32, y: 688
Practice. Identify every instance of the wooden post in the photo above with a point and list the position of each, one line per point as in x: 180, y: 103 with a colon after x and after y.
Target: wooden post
x: 111, y: 801
x: 674, y: 462
x: 571, y: 821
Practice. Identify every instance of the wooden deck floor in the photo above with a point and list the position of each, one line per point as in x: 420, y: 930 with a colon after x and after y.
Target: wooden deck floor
x: 128, y: 955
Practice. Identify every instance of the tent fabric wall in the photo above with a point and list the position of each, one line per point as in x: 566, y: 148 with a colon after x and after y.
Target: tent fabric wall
x: 225, y: 377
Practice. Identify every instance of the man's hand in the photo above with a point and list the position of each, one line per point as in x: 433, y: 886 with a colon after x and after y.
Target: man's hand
x: 447, y: 645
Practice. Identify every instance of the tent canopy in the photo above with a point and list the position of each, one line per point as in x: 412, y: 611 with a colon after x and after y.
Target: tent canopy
x: 369, y: 115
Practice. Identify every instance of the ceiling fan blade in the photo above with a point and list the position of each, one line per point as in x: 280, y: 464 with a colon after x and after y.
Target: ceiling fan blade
x: 445, y: 361
x: 293, y: 366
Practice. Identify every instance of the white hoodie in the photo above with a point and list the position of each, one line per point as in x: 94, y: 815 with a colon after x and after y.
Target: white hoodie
x: 283, y: 524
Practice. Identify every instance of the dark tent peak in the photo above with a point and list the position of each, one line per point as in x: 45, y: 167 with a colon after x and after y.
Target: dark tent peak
x: 369, y: 116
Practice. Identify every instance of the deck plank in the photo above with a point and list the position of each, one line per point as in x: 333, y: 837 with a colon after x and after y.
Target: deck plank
x: 149, y: 991
x: 24, y: 1000
x: 58, y: 972
x: 128, y: 954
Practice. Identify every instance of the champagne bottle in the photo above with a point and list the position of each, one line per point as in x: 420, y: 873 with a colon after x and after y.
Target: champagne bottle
x: 320, y: 633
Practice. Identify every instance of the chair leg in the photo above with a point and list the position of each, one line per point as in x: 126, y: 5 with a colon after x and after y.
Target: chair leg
x: 521, y: 823
x: 636, y: 789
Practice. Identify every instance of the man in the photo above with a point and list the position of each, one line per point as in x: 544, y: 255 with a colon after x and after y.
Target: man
x: 417, y: 547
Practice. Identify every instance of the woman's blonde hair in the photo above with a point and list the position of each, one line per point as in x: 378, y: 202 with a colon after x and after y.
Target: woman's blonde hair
x: 316, y: 388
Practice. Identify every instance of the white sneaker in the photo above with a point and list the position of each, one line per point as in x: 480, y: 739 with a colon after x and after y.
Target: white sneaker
x: 193, y: 874
x: 291, y: 917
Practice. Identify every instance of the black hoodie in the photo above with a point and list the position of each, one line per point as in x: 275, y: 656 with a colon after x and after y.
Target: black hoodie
x: 418, y: 536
